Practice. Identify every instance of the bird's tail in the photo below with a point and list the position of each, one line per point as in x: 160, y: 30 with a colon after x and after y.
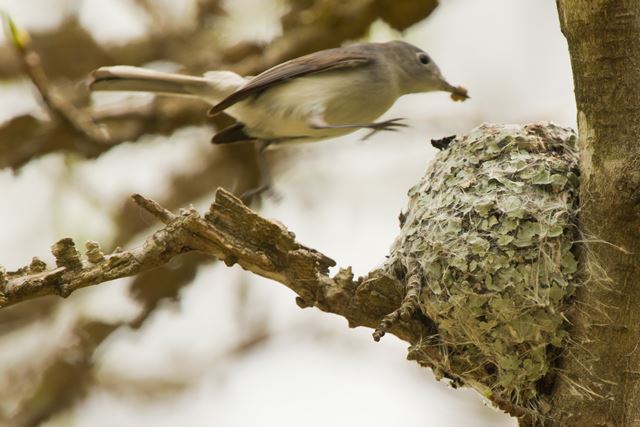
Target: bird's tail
x: 212, y: 88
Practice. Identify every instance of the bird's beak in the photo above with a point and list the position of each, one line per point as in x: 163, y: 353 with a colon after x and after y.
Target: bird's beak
x: 458, y: 93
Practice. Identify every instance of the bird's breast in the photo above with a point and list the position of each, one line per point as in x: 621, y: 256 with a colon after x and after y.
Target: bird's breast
x: 340, y: 98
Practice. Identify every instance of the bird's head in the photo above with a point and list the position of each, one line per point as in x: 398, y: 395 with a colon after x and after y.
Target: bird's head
x: 417, y: 72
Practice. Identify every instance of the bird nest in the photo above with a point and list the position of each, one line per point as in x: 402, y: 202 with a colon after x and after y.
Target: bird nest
x: 490, y: 235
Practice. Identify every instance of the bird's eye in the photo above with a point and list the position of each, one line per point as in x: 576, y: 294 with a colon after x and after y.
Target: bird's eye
x: 424, y: 58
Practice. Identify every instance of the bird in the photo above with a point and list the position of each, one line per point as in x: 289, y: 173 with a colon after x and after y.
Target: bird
x: 325, y: 94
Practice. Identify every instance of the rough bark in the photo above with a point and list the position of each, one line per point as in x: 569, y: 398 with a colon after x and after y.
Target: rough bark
x: 234, y: 234
x: 605, y: 55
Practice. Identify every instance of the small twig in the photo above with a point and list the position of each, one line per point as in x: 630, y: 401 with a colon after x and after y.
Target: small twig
x: 58, y: 107
x: 154, y: 208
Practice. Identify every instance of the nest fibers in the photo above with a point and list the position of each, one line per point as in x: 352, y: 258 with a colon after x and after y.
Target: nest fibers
x: 489, y: 232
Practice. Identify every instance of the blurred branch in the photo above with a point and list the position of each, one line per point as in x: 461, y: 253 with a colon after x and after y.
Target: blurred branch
x: 233, y: 233
x: 164, y: 284
x: 309, y: 26
x: 70, y: 52
x: 15, y: 317
x: 72, y: 129
x: 66, y: 380
x: 26, y: 138
x: 70, y: 373
x: 58, y: 107
x: 153, y: 388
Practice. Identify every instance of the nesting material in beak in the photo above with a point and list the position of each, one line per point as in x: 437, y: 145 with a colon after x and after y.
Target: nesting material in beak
x: 458, y: 93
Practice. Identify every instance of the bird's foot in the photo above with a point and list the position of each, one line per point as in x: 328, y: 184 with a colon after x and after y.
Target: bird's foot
x: 391, y: 125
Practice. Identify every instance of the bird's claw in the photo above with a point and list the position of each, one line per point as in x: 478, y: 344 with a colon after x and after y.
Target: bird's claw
x: 391, y: 125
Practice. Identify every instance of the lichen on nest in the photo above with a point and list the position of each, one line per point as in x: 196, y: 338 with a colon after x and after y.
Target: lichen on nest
x: 490, y: 232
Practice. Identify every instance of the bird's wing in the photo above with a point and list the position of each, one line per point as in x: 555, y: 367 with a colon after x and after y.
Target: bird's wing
x: 313, y: 63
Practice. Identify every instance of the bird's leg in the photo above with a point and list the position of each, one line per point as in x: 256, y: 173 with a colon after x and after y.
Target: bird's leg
x: 318, y: 122
x: 389, y: 125
x: 265, y: 181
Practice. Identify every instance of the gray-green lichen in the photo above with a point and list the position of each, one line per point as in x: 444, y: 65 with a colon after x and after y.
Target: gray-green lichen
x: 490, y: 230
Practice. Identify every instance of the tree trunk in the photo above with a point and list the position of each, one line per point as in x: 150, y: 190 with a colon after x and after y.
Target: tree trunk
x: 601, y: 382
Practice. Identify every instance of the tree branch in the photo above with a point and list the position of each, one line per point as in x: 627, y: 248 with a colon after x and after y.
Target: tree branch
x: 58, y: 107
x: 74, y: 129
x: 26, y: 138
x: 233, y: 233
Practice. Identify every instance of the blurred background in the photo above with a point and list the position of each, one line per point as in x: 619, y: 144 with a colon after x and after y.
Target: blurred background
x: 196, y: 343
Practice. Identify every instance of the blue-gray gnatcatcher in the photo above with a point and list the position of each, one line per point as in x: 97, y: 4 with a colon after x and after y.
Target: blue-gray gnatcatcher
x: 322, y: 95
